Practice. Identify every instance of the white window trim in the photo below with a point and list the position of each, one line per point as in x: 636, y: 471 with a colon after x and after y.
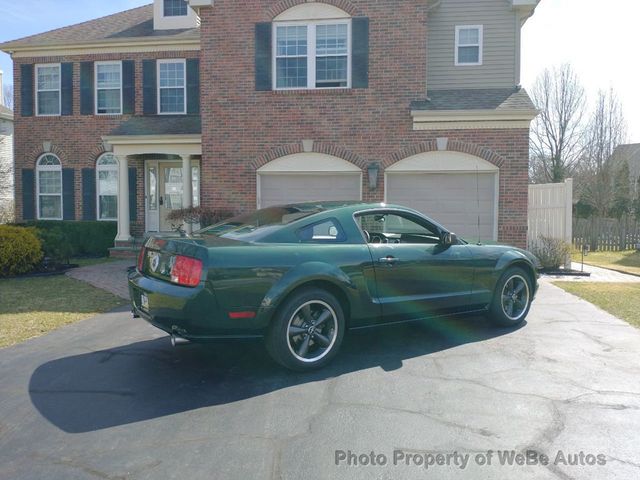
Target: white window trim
x: 480, y: 45
x: 59, y: 89
x: 49, y: 168
x: 172, y: 60
x: 95, y: 86
x: 311, y: 52
x: 102, y: 168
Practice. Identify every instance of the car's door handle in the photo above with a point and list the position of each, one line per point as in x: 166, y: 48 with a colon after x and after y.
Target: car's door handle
x: 389, y: 260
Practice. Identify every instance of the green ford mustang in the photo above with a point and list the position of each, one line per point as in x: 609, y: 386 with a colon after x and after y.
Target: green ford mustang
x: 300, y: 275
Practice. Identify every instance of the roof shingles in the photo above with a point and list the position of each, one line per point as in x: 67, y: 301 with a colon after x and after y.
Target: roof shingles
x: 130, y: 24
x: 475, y: 99
x: 160, y: 125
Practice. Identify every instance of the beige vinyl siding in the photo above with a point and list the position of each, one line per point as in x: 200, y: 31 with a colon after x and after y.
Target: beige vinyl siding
x: 501, y: 44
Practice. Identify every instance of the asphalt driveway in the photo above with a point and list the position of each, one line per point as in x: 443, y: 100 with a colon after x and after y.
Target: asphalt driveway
x: 109, y: 398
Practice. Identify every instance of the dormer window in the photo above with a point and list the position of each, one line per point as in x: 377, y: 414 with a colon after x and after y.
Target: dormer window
x: 175, y: 8
x: 468, y: 45
x: 173, y: 15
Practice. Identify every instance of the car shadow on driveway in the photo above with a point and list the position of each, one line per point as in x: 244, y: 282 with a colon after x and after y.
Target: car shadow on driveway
x: 150, y: 379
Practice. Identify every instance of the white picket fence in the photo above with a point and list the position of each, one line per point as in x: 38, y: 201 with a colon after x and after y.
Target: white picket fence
x: 551, y: 211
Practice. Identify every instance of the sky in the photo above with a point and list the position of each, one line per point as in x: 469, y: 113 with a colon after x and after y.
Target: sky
x: 595, y: 36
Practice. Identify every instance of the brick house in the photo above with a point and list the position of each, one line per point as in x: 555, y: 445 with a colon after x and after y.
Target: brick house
x: 238, y: 105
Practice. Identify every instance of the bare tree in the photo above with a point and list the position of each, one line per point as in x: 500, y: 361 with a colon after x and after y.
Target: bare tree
x: 607, y: 130
x: 557, y: 133
x: 7, y: 95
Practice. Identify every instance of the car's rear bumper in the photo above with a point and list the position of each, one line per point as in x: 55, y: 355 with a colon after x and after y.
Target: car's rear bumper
x: 191, y: 313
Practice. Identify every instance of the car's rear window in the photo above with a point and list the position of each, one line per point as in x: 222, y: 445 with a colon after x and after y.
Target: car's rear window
x: 254, y: 225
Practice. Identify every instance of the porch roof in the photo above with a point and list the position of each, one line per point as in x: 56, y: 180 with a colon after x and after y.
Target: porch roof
x: 165, y: 135
x: 160, y: 125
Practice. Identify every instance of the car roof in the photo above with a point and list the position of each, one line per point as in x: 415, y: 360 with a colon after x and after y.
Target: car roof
x: 348, y: 206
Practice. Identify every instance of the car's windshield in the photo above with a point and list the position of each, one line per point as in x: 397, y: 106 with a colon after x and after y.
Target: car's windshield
x: 253, y: 225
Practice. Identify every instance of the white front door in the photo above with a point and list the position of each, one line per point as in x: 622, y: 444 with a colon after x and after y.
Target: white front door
x: 164, y: 193
x: 170, y: 194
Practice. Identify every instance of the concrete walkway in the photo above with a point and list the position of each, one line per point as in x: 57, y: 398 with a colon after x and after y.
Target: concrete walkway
x: 111, y: 276
x: 597, y: 275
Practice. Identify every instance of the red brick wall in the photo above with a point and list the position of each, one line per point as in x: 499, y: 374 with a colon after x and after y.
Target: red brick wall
x: 242, y: 127
x: 77, y: 139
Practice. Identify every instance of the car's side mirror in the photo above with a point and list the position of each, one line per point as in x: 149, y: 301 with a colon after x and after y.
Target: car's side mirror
x: 449, y: 239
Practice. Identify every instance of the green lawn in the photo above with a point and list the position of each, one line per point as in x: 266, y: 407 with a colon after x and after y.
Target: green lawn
x: 31, y: 307
x: 628, y: 261
x: 619, y: 299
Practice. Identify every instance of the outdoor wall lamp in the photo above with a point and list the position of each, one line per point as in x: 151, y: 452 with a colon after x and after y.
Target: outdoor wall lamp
x: 373, y: 170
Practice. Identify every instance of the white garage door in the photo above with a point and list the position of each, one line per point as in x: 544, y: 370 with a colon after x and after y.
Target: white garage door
x: 440, y: 185
x: 308, y: 177
x: 283, y: 188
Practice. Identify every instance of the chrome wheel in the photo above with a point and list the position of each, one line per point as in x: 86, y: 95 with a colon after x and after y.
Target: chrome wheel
x: 515, y: 297
x: 312, y: 331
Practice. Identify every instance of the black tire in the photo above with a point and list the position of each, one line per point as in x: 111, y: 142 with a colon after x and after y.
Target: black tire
x: 511, y: 298
x: 313, y: 317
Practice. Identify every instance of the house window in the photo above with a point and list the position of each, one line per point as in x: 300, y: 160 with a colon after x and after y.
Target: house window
x: 172, y: 93
x: 109, y: 88
x: 107, y: 187
x: 312, y: 55
x: 49, y: 181
x: 48, y: 89
x: 175, y: 8
x: 469, y: 45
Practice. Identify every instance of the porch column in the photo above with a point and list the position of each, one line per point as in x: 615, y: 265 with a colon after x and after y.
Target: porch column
x: 124, y: 232
x: 187, y: 194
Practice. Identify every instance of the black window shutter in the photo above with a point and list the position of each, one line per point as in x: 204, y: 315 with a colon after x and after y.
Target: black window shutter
x: 68, y: 194
x: 263, y: 57
x: 86, y: 88
x: 133, y: 193
x: 66, y: 90
x: 128, y: 87
x: 149, y: 87
x: 28, y: 194
x: 26, y: 90
x: 88, y: 194
x: 193, y: 86
x: 360, y: 58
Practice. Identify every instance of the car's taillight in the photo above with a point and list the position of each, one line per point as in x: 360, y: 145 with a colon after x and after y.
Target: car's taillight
x: 141, y: 259
x: 186, y: 271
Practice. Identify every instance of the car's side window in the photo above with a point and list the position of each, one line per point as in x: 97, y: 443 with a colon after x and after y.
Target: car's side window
x: 326, y: 231
x: 395, y: 228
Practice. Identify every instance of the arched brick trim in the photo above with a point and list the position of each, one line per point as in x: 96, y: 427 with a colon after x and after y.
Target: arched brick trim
x: 340, y: 152
x: 37, y: 152
x: 284, y: 5
x: 452, y: 146
x: 97, y: 152
x: 277, y: 152
x: 318, y: 147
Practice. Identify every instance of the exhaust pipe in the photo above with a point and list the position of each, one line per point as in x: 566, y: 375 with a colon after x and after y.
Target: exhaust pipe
x: 178, y: 341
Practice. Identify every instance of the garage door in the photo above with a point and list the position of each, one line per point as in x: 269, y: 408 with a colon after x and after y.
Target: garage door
x: 308, y: 178
x: 456, y: 198
x: 282, y: 189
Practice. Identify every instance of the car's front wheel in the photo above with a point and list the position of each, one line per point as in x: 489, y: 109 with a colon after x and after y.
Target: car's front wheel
x: 512, y: 298
x: 307, y: 330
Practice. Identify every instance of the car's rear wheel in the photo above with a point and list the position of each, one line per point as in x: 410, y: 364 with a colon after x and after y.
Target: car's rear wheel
x: 512, y: 298
x: 307, y: 330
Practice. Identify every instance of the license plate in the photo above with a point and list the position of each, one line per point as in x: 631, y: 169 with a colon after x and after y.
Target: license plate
x: 144, y: 302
